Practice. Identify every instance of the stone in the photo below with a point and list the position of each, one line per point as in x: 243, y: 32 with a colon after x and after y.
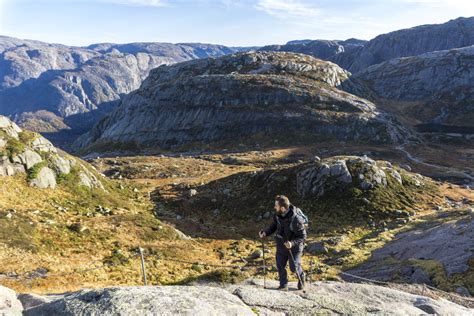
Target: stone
x: 88, y: 180
x: 8, y: 168
x: 150, y: 300
x: 42, y: 144
x: 61, y: 165
x: 30, y: 300
x: 10, y: 128
x: 46, y: 178
x: 420, y: 277
x: 365, y: 185
x: 331, y: 297
x: 192, y: 192
x: 461, y: 290
x: 406, y: 167
x: 317, y: 248
x: 28, y: 158
x: 446, y: 243
x: 9, y: 304
x: 255, y: 255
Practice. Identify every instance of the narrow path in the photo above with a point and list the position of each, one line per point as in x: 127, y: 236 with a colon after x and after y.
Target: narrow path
x: 449, y: 170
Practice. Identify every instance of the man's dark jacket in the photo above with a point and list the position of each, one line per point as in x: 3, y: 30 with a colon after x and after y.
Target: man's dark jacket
x: 297, y: 236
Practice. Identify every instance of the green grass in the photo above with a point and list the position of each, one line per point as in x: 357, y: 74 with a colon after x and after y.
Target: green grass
x: 33, y: 172
x: 14, y: 147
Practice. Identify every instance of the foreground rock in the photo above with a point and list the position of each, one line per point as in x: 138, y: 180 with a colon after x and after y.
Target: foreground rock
x: 342, y: 298
x: 284, y: 97
x: 245, y: 299
x: 9, y: 304
x: 158, y: 300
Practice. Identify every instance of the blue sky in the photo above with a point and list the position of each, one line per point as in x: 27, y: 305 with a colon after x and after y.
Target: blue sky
x: 233, y: 23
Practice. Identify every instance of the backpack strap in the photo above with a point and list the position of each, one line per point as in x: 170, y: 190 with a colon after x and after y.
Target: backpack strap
x: 295, y: 214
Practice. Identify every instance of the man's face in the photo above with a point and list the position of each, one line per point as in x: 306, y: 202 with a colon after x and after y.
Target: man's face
x: 279, y: 209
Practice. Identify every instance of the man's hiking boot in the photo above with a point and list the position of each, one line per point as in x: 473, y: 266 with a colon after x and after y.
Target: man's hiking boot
x: 301, y: 285
x: 283, y: 288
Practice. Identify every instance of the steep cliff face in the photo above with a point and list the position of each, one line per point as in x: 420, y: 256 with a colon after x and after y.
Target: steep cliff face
x: 21, y: 60
x: 235, y: 97
x: 409, y: 42
x: 440, y: 83
x: 66, y: 81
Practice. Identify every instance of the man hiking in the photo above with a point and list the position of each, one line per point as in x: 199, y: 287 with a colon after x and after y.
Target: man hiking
x: 289, y: 225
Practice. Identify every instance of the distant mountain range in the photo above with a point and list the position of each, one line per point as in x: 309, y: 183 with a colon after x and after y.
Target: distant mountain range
x: 356, y: 55
x: 50, y: 87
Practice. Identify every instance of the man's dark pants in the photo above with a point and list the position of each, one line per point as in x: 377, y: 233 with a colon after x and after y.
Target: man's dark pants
x: 283, y: 256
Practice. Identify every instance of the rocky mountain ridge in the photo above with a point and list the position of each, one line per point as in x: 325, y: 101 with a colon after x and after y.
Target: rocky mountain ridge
x: 239, y: 96
x: 356, y: 55
x: 441, y: 82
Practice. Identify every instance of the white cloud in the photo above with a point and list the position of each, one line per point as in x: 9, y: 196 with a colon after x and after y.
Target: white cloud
x: 140, y: 3
x: 287, y: 8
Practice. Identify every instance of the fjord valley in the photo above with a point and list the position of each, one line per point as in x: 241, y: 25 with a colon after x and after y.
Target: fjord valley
x: 174, y: 153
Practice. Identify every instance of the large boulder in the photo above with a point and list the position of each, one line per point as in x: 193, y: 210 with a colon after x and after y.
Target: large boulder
x: 46, y: 178
x: 10, y: 128
x: 29, y: 158
x: 246, y: 298
x: 9, y: 304
x: 162, y: 300
x: 341, y: 298
x: 7, y: 168
x: 324, y: 176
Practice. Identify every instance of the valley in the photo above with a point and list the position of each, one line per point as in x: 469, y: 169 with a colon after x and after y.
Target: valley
x: 175, y: 152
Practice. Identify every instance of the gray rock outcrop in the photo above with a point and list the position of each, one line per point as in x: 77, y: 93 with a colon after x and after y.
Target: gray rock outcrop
x: 366, y: 173
x: 9, y: 304
x: 246, y: 298
x: 28, y: 152
x: 441, y: 83
x: 237, y: 96
x: 46, y: 178
x: 450, y: 244
x: 162, y: 300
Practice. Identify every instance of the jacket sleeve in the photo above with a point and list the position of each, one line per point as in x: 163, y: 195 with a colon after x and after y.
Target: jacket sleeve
x: 272, y: 228
x: 299, y: 236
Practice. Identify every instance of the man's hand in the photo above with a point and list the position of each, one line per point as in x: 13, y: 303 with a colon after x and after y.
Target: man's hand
x: 288, y: 244
x: 262, y: 234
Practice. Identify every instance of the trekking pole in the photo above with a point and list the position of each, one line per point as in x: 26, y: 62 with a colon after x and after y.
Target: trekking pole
x: 140, y: 250
x: 296, y: 270
x: 264, y: 265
